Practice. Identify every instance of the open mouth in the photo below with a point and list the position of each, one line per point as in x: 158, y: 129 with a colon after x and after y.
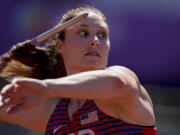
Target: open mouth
x: 92, y: 53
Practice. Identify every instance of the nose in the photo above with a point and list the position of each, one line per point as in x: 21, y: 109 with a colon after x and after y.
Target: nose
x: 95, y: 42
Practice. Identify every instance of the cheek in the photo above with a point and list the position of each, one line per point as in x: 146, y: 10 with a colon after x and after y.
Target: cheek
x: 107, y: 47
x: 108, y: 44
x: 73, y: 50
x: 77, y: 42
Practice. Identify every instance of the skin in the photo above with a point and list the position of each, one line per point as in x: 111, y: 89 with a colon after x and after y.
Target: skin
x: 89, y: 35
x: 116, y: 90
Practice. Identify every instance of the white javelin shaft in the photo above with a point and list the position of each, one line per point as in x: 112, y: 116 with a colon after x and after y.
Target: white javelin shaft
x: 42, y: 37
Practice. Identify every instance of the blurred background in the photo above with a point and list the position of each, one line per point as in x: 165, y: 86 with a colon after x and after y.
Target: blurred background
x: 145, y: 37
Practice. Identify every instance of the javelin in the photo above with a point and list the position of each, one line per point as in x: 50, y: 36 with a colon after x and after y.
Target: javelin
x: 42, y: 37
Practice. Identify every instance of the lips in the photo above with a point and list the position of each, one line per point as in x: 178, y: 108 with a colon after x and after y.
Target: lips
x: 92, y: 53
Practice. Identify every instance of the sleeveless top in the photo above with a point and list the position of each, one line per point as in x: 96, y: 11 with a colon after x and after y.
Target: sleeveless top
x: 89, y: 120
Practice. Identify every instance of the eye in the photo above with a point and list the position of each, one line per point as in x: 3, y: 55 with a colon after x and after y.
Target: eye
x: 101, y: 35
x: 84, y: 33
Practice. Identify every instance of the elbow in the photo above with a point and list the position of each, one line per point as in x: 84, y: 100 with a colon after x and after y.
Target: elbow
x: 125, y: 89
x: 126, y: 83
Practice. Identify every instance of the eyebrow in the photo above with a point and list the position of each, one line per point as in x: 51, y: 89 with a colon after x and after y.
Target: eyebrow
x: 83, y: 25
x: 86, y: 25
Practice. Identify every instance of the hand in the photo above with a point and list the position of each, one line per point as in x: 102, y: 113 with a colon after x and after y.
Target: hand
x: 23, y: 93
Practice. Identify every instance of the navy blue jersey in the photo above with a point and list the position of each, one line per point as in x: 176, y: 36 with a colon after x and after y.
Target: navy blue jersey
x: 89, y: 120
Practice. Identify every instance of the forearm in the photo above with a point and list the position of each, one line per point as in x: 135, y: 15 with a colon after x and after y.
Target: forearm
x: 100, y: 84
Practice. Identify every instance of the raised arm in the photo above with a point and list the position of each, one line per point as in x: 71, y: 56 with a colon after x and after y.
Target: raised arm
x: 114, y: 82
x: 116, y: 86
x: 100, y: 84
x: 116, y: 91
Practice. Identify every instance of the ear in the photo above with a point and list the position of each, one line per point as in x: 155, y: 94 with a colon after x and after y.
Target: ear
x: 59, y: 45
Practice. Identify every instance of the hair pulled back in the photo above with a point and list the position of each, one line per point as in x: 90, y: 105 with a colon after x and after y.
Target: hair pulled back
x: 26, y: 60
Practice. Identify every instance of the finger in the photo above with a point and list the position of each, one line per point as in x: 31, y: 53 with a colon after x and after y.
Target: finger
x: 9, y: 101
x: 17, y: 108
x: 10, y: 94
x: 7, y: 89
x: 3, y: 105
x: 14, y: 109
x: 5, y: 94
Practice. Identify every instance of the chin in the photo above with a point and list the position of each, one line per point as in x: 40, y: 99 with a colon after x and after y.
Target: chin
x: 93, y: 63
x: 93, y: 67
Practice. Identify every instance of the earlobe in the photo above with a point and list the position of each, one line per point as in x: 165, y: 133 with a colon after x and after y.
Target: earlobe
x: 59, y: 45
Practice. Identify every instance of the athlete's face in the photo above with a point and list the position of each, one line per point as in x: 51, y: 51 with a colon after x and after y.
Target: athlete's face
x: 86, y: 45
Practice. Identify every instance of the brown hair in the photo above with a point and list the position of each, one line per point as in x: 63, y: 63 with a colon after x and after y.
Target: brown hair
x: 27, y: 60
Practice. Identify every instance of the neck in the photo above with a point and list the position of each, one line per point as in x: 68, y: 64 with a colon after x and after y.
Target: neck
x: 74, y: 105
x: 77, y: 102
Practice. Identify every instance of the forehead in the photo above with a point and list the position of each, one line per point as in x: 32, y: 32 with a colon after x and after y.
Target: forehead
x: 93, y: 20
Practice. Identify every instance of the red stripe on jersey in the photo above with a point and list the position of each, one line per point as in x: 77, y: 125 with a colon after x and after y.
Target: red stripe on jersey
x: 89, y: 119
